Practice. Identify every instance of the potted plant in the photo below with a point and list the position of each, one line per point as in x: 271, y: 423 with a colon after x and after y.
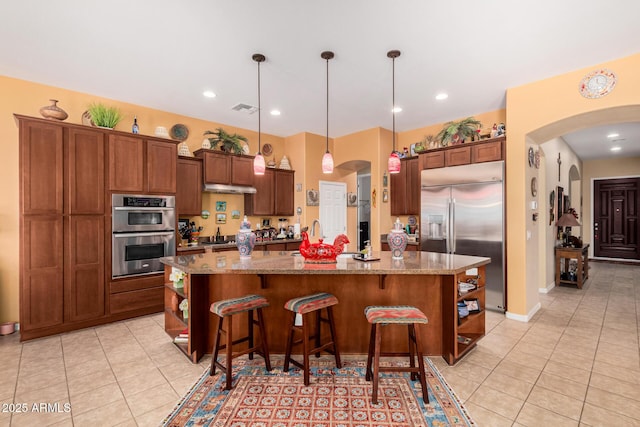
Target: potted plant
x: 456, y: 132
x: 103, y: 116
x: 230, y: 143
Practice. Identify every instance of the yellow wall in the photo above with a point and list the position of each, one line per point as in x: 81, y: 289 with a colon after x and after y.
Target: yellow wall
x: 539, y: 112
x: 602, y: 169
x: 26, y: 98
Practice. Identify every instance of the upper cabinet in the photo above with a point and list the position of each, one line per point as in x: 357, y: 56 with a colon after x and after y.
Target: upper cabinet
x: 488, y: 150
x: 223, y: 168
x: 405, y: 188
x: 274, y: 194
x: 142, y: 165
x: 189, y: 186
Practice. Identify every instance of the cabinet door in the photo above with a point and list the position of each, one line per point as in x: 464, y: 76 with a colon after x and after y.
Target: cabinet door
x: 412, y: 204
x: 263, y: 202
x: 487, y: 152
x: 84, y: 281
x: 242, y: 170
x: 458, y: 156
x: 161, y: 166
x: 126, y: 160
x: 84, y: 182
x: 41, y: 281
x: 189, y: 187
x: 284, y: 192
x: 397, y: 187
x: 217, y: 168
x: 432, y: 160
x: 41, y: 168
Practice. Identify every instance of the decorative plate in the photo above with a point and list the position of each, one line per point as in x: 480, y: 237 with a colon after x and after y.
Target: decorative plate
x: 537, y: 161
x: 534, y: 186
x: 597, y: 84
x: 179, y: 132
x: 412, y: 220
x: 532, y: 156
x: 267, y: 149
x: 86, y: 119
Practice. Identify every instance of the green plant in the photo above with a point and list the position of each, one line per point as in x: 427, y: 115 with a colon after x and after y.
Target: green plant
x: 101, y: 115
x: 456, y: 132
x: 230, y: 143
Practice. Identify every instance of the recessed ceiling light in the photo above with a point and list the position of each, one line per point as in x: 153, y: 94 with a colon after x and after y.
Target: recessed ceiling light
x: 616, y: 148
x: 209, y: 94
x: 396, y: 109
x: 441, y: 96
x: 275, y: 112
x: 613, y: 135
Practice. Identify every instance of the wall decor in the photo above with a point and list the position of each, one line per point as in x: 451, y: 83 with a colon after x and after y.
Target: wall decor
x: 221, y: 206
x: 597, y: 84
x: 235, y: 214
x: 385, y: 195
x: 221, y: 218
x: 313, y: 198
x: 385, y: 179
x: 205, y: 214
x: 352, y: 199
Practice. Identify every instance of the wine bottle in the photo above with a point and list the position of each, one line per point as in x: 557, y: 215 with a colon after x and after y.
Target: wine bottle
x: 134, y: 128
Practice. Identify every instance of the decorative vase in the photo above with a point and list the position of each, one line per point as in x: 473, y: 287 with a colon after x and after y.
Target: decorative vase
x: 397, y: 240
x: 206, y: 144
x: 245, y: 239
x: 179, y: 284
x: 53, y: 111
x: 183, y: 150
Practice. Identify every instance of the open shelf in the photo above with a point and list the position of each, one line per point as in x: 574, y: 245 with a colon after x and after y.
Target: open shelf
x: 179, y: 291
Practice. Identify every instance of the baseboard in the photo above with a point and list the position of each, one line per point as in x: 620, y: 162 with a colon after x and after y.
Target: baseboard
x: 522, y: 318
x: 547, y: 289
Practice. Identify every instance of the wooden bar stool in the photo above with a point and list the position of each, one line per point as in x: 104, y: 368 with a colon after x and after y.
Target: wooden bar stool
x: 399, y: 315
x: 303, y: 307
x: 225, y: 309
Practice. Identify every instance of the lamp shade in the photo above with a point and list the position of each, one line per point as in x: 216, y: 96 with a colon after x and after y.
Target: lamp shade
x: 327, y: 163
x: 393, y: 164
x: 567, y: 220
x: 258, y: 164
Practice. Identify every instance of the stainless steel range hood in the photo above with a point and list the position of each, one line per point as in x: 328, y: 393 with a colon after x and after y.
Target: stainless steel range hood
x: 229, y: 189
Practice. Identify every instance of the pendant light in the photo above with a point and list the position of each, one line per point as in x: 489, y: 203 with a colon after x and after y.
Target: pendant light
x: 393, y: 165
x: 327, y: 159
x: 258, y: 160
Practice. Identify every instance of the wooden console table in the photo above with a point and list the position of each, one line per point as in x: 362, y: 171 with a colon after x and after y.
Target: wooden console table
x: 565, y: 254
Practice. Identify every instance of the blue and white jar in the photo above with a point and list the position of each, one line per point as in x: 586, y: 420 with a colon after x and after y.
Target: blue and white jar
x: 397, y: 240
x: 245, y: 239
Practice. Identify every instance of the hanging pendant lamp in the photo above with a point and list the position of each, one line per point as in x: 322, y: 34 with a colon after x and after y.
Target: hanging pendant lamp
x: 394, y: 161
x: 258, y: 160
x: 327, y: 159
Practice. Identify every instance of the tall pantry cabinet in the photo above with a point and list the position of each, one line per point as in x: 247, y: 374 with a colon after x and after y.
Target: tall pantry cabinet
x: 62, y: 225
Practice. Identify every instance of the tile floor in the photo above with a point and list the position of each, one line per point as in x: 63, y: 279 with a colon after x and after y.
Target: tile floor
x: 576, y: 363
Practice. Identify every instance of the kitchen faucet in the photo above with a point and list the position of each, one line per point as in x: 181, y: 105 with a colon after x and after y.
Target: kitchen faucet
x: 313, y: 227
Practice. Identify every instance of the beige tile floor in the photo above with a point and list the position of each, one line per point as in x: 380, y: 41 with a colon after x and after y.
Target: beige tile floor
x: 576, y: 363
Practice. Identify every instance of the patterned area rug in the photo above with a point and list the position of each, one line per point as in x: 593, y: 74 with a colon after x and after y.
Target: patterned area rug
x: 335, y: 397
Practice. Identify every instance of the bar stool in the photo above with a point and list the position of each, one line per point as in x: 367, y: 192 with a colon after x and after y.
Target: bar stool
x: 302, y: 307
x: 225, y: 309
x: 399, y: 315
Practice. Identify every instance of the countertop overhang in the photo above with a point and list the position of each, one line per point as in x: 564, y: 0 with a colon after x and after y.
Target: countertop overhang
x: 287, y: 262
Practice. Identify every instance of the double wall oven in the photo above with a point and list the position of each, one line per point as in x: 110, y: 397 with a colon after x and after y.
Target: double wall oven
x: 143, y: 232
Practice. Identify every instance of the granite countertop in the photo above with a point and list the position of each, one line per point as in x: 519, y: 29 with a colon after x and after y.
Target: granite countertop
x: 288, y: 262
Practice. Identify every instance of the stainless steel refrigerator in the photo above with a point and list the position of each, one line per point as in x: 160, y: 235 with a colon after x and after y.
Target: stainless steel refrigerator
x: 462, y: 212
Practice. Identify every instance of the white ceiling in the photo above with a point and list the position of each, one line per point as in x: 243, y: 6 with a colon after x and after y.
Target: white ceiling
x: 163, y: 54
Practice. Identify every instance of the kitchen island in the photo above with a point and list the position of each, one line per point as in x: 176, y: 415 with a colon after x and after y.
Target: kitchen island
x: 426, y: 280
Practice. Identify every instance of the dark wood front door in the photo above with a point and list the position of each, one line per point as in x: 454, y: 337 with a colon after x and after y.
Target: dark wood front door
x: 615, y: 228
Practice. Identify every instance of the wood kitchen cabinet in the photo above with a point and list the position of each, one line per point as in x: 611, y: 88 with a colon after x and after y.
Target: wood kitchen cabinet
x: 488, y: 150
x: 224, y: 168
x: 62, y: 217
x: 274, y: 194
x: 405, y: 188
x: 141, y: 164
x: 189, y: 186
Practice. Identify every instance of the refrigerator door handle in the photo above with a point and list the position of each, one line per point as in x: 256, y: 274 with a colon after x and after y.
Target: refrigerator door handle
x: 452, y: 225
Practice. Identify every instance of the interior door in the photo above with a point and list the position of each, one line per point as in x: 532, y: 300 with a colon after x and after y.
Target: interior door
x: 615, y: 218
x: 333, y: 209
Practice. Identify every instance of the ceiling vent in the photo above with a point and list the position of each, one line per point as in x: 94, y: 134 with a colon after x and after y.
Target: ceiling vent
x: 244, y: 108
